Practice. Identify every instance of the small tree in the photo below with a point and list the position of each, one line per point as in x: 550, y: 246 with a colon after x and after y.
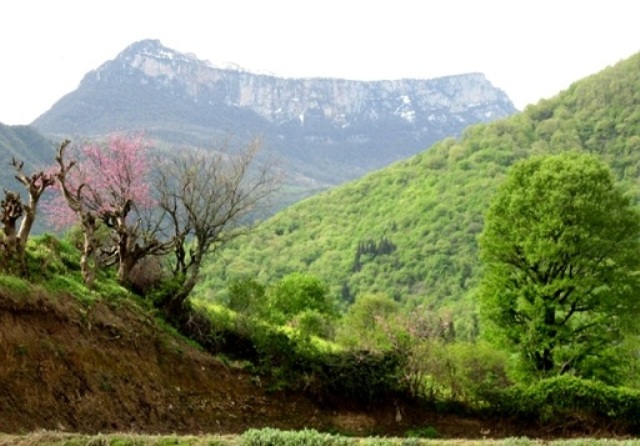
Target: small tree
x: 60, y: 214
x: 209, y: 198
x: 560, y: 247
x: 35, y: 184
x: 296, y: 293
x: 362, y: 325
x: 12, y: 209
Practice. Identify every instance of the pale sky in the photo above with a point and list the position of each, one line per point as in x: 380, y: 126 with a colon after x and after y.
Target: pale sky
x: 531, y: 49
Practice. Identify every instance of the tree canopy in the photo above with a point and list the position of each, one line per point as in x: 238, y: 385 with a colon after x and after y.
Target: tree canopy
x: 560, y: 246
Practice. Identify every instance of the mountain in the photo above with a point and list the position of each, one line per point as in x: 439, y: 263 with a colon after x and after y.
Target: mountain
x: 410, y: 230
x: 327, y: 130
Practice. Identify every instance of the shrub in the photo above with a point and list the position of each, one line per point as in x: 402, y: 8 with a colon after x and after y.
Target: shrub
x: 306, y: 437
x: 147, y: 275
x: 361, y: 377
x: 313, y: 323
x: 423, y: 432
x: 246, y: 296
x: 563, y: 397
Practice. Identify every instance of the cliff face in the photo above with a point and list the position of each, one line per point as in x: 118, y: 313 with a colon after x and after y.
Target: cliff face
x: 321, y: 125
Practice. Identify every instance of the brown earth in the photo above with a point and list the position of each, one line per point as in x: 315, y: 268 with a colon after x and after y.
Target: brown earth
x: 105, y: 367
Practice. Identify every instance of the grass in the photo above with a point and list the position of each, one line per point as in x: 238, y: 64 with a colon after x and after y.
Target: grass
x: 124, y: 439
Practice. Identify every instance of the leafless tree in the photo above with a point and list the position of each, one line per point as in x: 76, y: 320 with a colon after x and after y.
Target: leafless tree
x: 209, y: 198
x: 87, y: 216
x: 35, y: 184
x: 12, y: 209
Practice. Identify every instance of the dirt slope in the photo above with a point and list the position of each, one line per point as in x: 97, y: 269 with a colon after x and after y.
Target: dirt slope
x: 94, y: 368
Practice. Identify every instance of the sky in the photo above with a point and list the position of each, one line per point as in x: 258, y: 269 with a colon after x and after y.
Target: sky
x: 531, y: 49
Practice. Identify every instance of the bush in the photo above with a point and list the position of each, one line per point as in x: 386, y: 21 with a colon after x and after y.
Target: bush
x: 306, y: 437
x: 148, y: 274
x: 360, y: 377
x: 246, y: 296
x: 563, y: 397
x: 423, y: 432
x: 313, y: 323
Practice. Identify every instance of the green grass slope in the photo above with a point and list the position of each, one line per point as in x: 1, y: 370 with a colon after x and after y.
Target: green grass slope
x: 410, y: 230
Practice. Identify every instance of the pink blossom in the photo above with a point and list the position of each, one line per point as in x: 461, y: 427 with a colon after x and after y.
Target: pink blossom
x: 110, y: 176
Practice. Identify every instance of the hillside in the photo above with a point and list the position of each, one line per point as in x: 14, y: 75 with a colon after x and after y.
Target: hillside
x: 410, y: 230
x: 110, y: 366
x: 326, y: 131
x: 26, y: 144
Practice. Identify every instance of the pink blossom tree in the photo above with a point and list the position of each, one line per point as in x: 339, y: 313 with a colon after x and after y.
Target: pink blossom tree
x: 109, y: 183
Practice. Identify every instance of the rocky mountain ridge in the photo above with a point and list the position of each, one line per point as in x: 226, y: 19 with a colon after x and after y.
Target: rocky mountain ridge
x: 331, y: 130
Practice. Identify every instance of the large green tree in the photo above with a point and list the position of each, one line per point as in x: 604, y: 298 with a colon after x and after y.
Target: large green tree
x: 561, y: 252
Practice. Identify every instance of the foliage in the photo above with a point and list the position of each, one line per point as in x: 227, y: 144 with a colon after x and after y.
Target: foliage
x: 359, y: 377
x: 562, y: 397
x: 423, y: 432
x: 431, y: 206
x: 360, y: 327
x: 313, y: 323
x: 267, y: 434
x: 306, y: 437
x: 437, y: 368
x: 296, y: 293
x: 561, y: 246
x: 115, y: 176
x: 246, y: 296
x: 109, y: 184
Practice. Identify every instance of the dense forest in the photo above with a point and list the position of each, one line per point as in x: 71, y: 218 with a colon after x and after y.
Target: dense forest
x: 410, y: 231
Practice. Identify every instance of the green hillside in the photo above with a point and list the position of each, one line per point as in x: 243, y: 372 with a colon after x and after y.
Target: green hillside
x: 25, y: 144
x: 410, y: 230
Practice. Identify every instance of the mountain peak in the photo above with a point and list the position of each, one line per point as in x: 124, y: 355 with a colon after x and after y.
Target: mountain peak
x: 153, y: 48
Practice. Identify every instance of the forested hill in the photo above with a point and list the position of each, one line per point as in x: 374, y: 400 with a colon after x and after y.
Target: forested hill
x: 410, y: 230
x: 24, y: 143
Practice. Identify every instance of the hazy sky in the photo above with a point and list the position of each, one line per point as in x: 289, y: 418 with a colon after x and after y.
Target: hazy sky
x: 530, y: 49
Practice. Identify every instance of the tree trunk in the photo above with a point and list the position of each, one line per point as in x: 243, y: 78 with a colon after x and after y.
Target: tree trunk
x: 125, y: 265
x: 26, y: 225
x: 88, y: 261
x: 544, y: 359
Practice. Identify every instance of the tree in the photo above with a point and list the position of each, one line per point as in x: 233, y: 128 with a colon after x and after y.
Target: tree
x: 210, y: 198
x: 560, y: 246
x: 60, y: 215
x: 109, y: 183
x: 296, y: 293
x: 13, y: 209
x: 362, y: 324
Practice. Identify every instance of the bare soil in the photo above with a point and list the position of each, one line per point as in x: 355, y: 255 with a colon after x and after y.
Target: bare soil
x: 105, y: 368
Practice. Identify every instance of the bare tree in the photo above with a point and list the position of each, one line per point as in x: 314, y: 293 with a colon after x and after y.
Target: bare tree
x: 12, y: 209
x: 88, y: 220
x: 35, y: 184
x: 209, y: 199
